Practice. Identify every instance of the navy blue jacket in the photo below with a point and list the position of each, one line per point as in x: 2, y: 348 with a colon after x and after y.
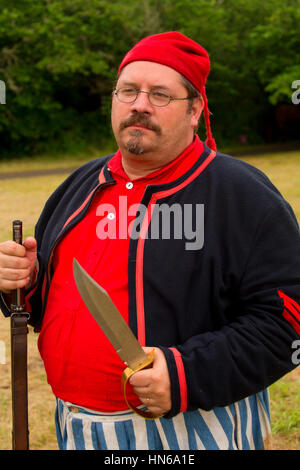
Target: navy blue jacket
x: 225, y: 314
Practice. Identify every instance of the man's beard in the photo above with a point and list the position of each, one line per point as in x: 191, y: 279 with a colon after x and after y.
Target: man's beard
x: 135, y: 144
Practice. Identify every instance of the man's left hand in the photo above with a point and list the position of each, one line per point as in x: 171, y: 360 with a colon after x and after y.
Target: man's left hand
x: 153, y: 385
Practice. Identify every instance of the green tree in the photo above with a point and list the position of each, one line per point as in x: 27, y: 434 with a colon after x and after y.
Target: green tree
x: 59, y: 59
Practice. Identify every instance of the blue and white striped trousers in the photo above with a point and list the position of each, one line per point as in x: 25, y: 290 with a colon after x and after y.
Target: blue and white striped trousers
x: 243, y: 425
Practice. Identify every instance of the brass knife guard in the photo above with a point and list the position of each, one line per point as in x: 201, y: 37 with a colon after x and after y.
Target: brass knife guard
x: 127, y: 373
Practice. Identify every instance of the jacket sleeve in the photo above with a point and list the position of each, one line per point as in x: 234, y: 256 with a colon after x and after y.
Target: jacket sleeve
x: 254, y: 350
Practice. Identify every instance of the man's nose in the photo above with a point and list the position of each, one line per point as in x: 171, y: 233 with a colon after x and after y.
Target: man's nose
x: 142, y: 103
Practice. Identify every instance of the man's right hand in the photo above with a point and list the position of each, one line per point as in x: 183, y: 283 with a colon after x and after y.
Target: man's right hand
x: 17, y: 263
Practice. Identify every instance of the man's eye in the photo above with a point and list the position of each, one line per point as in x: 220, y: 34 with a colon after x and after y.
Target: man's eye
x: 159, y: 95
x: 128, y: 91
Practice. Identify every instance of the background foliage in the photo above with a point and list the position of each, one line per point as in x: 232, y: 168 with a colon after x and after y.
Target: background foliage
x: 59, y: 58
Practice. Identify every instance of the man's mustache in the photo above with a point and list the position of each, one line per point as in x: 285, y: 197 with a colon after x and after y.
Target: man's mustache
x: 142, y: 119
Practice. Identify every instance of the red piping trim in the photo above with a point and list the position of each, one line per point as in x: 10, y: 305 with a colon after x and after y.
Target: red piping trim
x: 101, y: 176
x: 290, y: 313
x: 181, y: 378
x: 199, y: 170
x: 101, y: 180
x: 292, y: 310
x: 141, y: 244
x: 139, y: 277
x: 72, y: 216
x: 291, y: 320
x: 288, y: 300
x: 79, y: 208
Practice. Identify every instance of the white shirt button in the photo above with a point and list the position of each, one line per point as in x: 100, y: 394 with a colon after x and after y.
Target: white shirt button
x: 129, y: 185
x: 111, y: 216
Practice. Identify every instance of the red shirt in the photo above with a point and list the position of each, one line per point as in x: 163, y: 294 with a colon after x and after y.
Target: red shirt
x: 81, y: 364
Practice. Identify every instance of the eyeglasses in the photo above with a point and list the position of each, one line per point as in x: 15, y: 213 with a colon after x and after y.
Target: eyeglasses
x: 156, y: 97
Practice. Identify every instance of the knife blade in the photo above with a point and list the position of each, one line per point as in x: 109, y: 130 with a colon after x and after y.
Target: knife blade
x: 116, y: 330
x: 109, y: 318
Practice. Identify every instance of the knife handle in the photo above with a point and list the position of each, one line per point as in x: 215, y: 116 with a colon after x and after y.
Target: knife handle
x: 127, y: 373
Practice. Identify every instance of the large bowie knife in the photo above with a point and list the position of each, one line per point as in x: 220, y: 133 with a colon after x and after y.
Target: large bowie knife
x: 115, y: 328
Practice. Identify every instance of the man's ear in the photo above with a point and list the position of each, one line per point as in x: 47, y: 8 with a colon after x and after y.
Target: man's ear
x: 197, y: 108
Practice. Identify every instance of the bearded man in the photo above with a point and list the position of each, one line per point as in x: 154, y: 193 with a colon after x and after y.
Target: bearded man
x: 221, y: 313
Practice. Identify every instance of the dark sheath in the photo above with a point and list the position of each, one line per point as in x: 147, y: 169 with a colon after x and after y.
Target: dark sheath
x: 19, y: 331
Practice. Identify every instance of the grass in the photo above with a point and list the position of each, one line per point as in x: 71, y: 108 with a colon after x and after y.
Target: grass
x: 285, y: 413
x: 47, y: 160
x: 25, y: 198
x: 284, y: 172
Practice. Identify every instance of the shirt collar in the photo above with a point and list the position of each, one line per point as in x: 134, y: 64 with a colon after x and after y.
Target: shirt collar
x: 176, y: 168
